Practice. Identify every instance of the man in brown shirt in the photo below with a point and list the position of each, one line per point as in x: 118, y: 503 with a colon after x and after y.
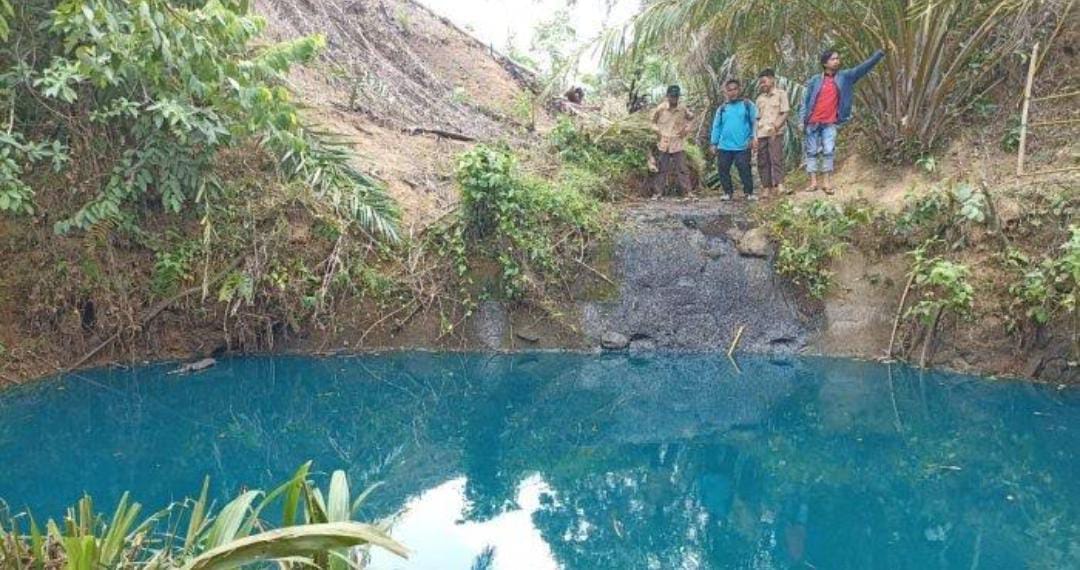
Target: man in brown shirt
x: 773, y: 108
x: 672, y: 123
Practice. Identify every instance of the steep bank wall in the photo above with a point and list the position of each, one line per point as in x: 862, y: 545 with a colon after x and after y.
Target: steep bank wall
x: 692, y: 275
x: 687, y: 275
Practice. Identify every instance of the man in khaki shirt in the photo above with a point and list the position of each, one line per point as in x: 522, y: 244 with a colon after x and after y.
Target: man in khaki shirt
x: 672, y: 123
x: 773, y: 108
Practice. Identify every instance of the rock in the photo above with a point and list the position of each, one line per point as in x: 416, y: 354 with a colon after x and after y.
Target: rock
x: 754, y: 243
x: 526, y: 334
x: 684, y: 289
x: 198, y: 366
x: 715, y: 251
x: 614, y: 341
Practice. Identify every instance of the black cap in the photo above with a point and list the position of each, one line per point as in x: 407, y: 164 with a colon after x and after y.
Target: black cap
x: 674, y: 91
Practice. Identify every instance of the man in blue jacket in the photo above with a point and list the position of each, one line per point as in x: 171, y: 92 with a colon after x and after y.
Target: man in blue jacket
x: 827, y: 105
x: 732, y: 139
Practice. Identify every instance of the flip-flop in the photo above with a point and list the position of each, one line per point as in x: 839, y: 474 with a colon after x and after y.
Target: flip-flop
x: 828, y: 191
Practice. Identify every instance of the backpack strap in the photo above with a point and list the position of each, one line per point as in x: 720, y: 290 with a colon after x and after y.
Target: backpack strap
x: 746, y: 113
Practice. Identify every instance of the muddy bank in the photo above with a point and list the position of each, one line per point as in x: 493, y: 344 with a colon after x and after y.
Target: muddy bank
x: 675, y: 276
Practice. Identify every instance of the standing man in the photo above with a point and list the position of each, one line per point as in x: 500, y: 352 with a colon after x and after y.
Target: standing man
x: 827, y: 105
x: 773, y: 108
x: 732, y: 138
x: 672, y: 123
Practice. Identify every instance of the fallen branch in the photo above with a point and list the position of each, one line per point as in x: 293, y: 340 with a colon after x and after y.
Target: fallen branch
x: 383, y: 320
x: 597, y: 273
x: 440, y: 133
x: 155, y: 311
x: 929, y: 338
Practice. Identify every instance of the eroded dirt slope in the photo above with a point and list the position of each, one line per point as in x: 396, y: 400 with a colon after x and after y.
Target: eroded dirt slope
x: 391, y: 67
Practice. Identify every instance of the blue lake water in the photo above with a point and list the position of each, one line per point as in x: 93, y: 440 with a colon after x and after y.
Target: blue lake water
x: 575, y: 461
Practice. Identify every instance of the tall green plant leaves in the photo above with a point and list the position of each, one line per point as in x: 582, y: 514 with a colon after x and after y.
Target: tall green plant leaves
x: 227, y: 526
x: 338, y: 507
x: 197, y: 520
x: 87, y: 541
x: 293, y: 541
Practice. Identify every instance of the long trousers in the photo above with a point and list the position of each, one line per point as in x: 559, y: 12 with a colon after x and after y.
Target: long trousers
x: 669, y: 163
x: 741, y: 159
x: 770, y: 161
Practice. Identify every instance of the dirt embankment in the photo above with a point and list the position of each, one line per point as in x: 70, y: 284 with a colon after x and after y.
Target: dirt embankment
x: 393, y: 76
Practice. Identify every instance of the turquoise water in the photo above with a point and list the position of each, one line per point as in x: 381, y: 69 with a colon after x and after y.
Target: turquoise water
x: 589, y: 462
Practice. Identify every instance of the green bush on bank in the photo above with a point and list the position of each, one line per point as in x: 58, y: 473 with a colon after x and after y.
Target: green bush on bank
x: 527, y: 224
x: 1047, y: 288
x: 810, y: 236
x: 940, y: 285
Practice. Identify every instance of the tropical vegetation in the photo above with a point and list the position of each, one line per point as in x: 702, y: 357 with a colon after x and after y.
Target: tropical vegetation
x: 296, y: 525
x: 943, y: 58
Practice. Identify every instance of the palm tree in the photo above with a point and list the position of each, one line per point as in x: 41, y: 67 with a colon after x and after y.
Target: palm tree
x: 943, y: 57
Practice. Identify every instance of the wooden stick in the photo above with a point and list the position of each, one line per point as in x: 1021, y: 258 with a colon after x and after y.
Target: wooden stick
x: 1024, y: 113
x: 735, y: 342
x: 899, y: 312
x: 735, y: 364
x: 441, y: 133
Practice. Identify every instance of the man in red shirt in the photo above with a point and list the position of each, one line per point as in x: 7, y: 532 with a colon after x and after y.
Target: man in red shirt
x: 827, y: 105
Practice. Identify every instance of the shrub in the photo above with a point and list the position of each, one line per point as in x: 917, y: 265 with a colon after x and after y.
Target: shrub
x: 1049, y: 287
x: 810, y: 237
x: 173, y: 268
x: 941, y: 214
x: 517, y: 218
x: 942, y: 286
x: 616, y: 154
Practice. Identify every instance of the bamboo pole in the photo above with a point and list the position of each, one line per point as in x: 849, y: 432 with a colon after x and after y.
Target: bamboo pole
x: 1056, y: 96
x: 735, y: 343
x: 1024, y: 112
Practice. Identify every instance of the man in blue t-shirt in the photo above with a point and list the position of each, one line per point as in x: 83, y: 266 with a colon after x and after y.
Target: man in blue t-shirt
x: 732, y: 139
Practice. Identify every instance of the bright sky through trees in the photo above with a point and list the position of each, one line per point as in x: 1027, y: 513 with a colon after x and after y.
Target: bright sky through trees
x: 496, y: 22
